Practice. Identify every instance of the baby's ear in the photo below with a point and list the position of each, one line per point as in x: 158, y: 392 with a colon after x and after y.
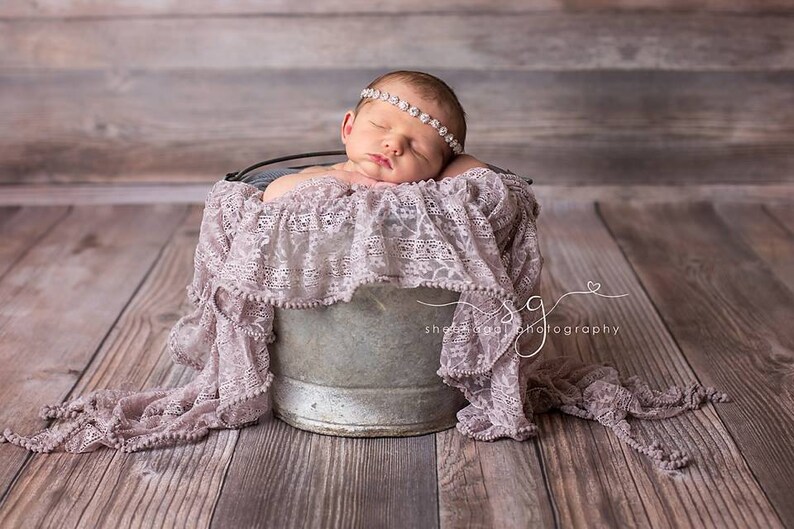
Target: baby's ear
x: 347, y: 124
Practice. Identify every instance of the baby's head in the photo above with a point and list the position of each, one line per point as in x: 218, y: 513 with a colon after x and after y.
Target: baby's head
x: 392, y: 141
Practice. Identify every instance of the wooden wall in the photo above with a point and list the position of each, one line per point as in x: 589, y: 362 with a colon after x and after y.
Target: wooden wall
x: 577, y: 91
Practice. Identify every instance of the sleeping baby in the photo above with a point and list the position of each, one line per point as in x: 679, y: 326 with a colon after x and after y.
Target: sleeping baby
x: 407, y: 126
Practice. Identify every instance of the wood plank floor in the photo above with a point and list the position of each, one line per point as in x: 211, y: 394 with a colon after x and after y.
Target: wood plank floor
x: 85, y: 286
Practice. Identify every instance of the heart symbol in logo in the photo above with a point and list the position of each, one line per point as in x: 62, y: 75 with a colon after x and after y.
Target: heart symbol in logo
x: 593, y: 287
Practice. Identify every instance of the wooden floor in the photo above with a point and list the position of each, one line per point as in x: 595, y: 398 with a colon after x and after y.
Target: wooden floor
x: 88, y: 293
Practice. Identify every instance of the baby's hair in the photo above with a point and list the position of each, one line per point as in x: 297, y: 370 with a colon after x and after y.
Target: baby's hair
x: 432, y: 88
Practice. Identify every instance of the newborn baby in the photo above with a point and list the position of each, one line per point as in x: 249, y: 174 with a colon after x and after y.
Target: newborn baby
x: 408, y: 126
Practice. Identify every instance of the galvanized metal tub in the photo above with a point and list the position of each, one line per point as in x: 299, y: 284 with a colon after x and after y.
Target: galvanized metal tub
x: 366, y: 368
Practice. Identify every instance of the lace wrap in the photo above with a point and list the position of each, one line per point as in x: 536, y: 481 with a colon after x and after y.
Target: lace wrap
x: 473, y: 234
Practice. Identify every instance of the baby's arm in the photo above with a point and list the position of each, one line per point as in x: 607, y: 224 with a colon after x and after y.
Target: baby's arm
x: 284, y: 184
x: 460, y: 164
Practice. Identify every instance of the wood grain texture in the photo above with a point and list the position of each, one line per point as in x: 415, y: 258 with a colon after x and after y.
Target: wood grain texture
x: 173, y: 486
x: 730, y: 316
x: 575, y: 474
x: 21, y: 228
x: 42, y: 194
x: 767, y: 236
x: 59, y: 302
x: 612, y: 485
x: 98, y: 489
x: 475, y: 41
x: 491, y: 484
x: 285, y: 477
x: 781, y: 195
x: 110, y: 8
x: 563, y: 128
x: 54, y: 194
x: 783, y: 214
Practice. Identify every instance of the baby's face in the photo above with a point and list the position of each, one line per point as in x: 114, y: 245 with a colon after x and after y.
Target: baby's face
x: 388, y: 144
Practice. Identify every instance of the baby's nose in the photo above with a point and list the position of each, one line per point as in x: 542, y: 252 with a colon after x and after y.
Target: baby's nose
x: 394, y: 144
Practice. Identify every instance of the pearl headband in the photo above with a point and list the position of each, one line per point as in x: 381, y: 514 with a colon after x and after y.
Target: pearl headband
x: 402, y: 104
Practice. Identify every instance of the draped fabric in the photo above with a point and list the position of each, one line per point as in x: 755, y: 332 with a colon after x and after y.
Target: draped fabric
x: 474, y: 233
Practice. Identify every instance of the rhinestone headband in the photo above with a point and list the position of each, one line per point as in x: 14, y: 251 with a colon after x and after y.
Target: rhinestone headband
x: 402, y: 104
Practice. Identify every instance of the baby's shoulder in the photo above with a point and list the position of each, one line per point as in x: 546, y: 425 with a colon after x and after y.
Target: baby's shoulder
x: 459, y: 165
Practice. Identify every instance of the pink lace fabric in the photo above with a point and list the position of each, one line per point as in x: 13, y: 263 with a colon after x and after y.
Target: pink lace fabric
x: 474, y: 234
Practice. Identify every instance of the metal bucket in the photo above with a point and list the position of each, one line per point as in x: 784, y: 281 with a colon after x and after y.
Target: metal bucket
x: 366, y: 368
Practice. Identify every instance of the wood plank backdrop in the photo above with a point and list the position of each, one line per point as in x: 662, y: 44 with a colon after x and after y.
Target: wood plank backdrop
x: 566, y: 92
